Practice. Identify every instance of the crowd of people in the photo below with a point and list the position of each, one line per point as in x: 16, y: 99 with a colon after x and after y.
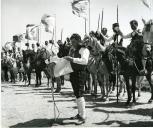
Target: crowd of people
x: 78, y: 53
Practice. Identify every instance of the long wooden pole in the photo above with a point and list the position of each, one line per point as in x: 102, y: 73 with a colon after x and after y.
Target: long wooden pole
x: 98, y: 22
x: 55, y: 28
x: 61, y: 34
x: 117, y: 63
x: 85, y: 26
x: 89, y: 15
x: 102, y: 15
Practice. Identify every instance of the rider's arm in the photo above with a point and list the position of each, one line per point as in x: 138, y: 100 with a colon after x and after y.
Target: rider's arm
x: 107, y: 38
x: 126, y: 36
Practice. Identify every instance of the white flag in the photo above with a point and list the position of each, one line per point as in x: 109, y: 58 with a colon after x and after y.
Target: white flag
x: 80, y: 7
x: 32, y: 32
x: 146, y: 3
x: 49, y: 22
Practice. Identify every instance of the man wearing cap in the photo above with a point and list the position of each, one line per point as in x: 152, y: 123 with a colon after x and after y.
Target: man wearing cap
x: 104, y: 32
x: 78, y: 57
x: 136, y: 35
x: 115, y: 36
x: 27, y: 44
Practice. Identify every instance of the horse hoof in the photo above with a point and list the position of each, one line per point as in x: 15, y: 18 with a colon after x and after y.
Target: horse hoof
x: 133, y: 104
x: 127, y: 104
x: 57, y: 91
x: 107, y: 99
x: 150, y: 101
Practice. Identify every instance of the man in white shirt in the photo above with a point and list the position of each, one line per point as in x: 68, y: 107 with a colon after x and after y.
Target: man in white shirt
x: 78, y: 57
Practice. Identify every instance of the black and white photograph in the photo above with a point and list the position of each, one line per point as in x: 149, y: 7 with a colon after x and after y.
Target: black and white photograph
x: 76, y: 63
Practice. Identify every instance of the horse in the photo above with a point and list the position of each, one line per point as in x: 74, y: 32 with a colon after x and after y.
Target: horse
x: 12, y: 68
x: 29, y: 57
x: 63, y: 51
x: 48, y: 69
x: 148, y: 40
x: 130, y: 61
x: 97, y: 67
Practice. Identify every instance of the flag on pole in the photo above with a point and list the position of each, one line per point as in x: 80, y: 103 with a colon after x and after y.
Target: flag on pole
x: 21, y: 37
x: 32, y: 32
x: 8, y: 46
x: 80, y: 8
x: 49, y: 23
x: 146, y: 3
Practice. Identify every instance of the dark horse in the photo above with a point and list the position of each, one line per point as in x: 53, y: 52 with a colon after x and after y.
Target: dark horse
x: 41, y: 56
x: 130, y: 61
x: 29, y: 57
x: 40, y: 65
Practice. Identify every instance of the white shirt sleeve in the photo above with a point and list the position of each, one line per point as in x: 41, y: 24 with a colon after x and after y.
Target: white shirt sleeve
x: 84, y: 57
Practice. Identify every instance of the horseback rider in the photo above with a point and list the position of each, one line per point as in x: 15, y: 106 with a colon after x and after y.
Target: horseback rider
x: 115, y: 36
x: 38, y: 46
x: 27, y: 45
x: 136, y: 35
x: 104, y: 32
x: 33, y: 47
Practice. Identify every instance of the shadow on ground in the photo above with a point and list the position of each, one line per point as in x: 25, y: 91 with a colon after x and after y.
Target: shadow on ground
x: 130, y: 124
x: 44, y: 123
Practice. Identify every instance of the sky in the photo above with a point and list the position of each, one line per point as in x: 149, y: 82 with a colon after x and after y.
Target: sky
x: 16, y: 14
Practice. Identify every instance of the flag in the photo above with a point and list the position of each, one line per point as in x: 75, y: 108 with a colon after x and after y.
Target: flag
x: 79, y: 7
x: 32, y: 32
x: 21, y: 37
x: 49, y: 22
x: 8, y: 46
x: 146, y: 3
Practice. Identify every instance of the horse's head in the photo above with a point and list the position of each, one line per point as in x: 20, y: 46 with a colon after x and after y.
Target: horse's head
x: 28, y: 55
x: 148, y: 31
x: 43, y: 54
x: 117, y: 52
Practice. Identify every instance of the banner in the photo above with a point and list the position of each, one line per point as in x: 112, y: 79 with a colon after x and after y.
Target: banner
x: 62, y: 66
x: 32, y: 32
x: 80, y: 8
x: 49, y: 23
x: 146, y: 3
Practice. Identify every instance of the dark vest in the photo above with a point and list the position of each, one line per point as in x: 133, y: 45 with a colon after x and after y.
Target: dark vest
x: 76, y: 54
x: 119, y: 42
x: 136, y: 37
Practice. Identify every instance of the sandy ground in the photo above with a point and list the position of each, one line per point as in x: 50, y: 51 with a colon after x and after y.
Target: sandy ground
x: 33, y: 107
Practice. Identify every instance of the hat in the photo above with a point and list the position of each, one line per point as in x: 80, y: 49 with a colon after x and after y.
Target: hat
x: 38, y: 44
x: 27, y: 44
x: 134, y: 22
x: 115, y: 25
x: 46, y: 42
x: 104, y: 29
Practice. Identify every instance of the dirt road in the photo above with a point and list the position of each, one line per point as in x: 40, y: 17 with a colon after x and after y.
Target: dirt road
x: 33, y: 107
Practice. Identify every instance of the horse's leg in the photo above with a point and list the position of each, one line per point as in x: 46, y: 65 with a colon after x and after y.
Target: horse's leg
x: 58, y: 89
x: 37, y: 77
x: 139, y: 80
x: 133, y: 88
x: 95, y: 84
x: 89, y: 83
x: 108, y: 88
x: 114, y: 81
x: 40, y: 76
x: 29, y: 77
x: 148, y: 76
x: 100, y: 81
x: 62, y: 80
x: 128, y: 90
